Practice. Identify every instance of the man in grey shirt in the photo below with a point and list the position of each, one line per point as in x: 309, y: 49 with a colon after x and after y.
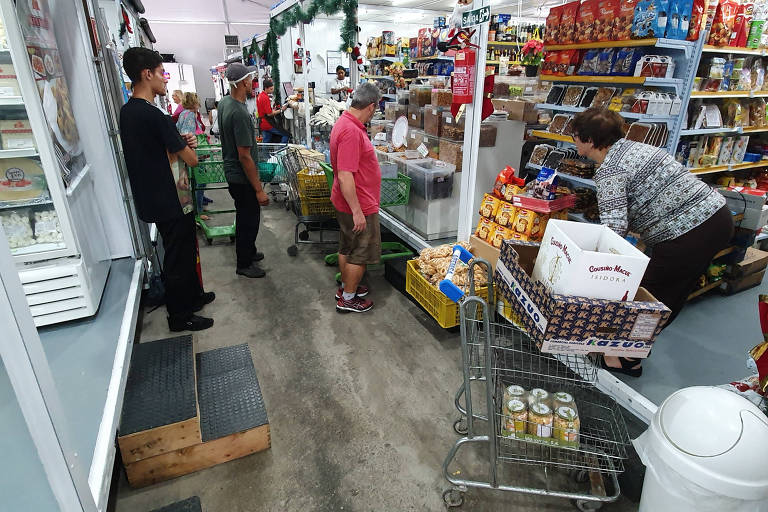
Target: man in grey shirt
x: 238, y: 149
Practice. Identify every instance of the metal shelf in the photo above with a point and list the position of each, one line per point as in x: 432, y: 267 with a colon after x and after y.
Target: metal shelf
x: 729, y: 94
x: 708, y: 131
x: 543, y: 134
x: 17, y: 153
x: 730, y: 167
x: 568, y: 177
x: 32, y: 249
x: 11, y: 100
x: 388, y: 59
x: 708, y: 48
x: 628, y: 115
x: 504, y: 43
x: 639, y: 80
x: 434, y: 57
x: 26, y: 203
x: 658, y: 42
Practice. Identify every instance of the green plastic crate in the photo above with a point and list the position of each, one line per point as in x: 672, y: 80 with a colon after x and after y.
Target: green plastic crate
x: 267, y: 171
x: 209, y: 172
x: 394, y: 191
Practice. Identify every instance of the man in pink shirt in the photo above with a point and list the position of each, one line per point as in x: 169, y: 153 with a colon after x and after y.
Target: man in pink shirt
x: 355, y: 195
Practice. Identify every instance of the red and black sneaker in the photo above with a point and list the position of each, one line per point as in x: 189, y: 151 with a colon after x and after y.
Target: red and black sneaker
x: 354, y: 305
x: 362, y: 291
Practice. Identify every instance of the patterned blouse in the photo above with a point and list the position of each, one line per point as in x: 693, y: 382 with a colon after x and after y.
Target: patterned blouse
x: 643, y: 189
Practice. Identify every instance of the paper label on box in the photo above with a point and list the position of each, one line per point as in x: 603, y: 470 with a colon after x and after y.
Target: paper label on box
x: 609, y: 347
x: 529, y: 306
x: 645, y: 326
x: 380, y: 136
x: 422, y: 149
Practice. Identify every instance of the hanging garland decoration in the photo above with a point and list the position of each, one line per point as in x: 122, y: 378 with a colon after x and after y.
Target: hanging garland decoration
x: 279, y: 26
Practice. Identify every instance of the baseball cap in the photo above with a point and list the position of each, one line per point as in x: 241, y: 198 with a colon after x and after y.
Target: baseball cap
x: 237, y: 72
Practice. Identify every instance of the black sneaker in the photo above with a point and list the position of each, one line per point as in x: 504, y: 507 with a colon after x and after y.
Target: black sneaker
x: 191, y: 323
x: 252, y: 271
x: 205, y: 298
x: 258, y: 256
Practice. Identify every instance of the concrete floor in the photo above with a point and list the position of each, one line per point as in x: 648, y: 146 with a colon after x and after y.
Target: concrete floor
x: 360, y: 406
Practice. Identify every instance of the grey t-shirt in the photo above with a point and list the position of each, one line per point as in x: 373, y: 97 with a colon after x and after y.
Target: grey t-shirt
x: 235, y: 129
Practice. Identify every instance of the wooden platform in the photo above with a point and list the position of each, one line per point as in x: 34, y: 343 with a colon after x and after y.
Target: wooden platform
x: 164, y: 439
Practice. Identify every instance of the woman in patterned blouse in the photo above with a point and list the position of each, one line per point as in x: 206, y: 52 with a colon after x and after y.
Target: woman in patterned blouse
x: 642, y: 189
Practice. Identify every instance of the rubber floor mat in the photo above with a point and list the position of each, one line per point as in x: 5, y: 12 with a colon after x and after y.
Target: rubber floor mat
x: 188, y: 505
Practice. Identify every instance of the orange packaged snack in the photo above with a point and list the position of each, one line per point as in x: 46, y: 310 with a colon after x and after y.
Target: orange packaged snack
x: 507, y: 184
x: 722, y: 24
x: 484, y: 228
x: 622, y: 23
x: 567, y: 33
x: 523, y: 221
x: 506, y: 214
x: 606, y: 15
x: 490, y: 206
x: 499, y: 235
x: 552, y: 30
x: 585, y: 21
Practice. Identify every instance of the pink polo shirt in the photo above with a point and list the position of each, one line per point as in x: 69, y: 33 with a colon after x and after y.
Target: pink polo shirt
x: 352, y: 151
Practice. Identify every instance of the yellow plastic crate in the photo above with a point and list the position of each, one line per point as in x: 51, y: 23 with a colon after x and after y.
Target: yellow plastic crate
x: 321, y: 206
x: 442, y: 309
x: 312, y: 184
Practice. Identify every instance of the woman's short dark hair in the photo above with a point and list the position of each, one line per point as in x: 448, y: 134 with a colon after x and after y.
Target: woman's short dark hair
x: 340, y: 68
x: 600, y: 126
x: 136, y: 60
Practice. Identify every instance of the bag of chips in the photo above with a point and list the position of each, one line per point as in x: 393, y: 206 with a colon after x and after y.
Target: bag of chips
x: 567, y: 32
x: 622, y: 23
x: 552, y: 30
x: 722, y: 24
x: 589, y: 63
x: 585, y: 21
x: 698, y: 13
x: 604, y: 20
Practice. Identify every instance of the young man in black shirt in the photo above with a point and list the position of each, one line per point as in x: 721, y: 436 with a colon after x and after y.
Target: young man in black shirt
x: 153, y: 148
x: 237, y: 150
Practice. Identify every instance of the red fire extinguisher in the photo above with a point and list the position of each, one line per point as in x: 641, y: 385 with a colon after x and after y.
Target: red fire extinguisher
x: 463, y: 81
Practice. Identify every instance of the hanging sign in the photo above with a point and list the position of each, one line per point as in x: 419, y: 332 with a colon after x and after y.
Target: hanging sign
x: 476, y: 17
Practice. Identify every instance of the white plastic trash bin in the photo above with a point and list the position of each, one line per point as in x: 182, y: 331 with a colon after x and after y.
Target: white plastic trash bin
x: 705, y: 450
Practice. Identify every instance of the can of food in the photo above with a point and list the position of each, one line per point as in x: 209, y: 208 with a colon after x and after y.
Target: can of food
x: 566, y: 424
x: 538, y: 395
x: 561, y: 398
x: 515, y: 418
x: 513, y: 391
x: 540, y: 420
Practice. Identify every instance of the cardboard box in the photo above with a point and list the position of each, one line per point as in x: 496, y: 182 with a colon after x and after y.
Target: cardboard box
x: 732, y: 286
x: 588, y: 260
x: 517, y: 110
x: 754, y: 219
x: 754, y: 261
x: 575, y: 325
x: 741, y: 198
x: 483, y: 249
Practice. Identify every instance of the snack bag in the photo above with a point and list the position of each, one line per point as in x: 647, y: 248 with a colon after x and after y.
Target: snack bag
x: 505, y: 216
x: 722, y: 24
x: 625, y: 62
x: 546, y: 184
x: 506, y: 176
x: 607, y: 11
x: 489, y: 206
x: 622, y: 23
x: 645, y: 22
x: 585, y: 21
x: 755, y: 31
x: 568, y: 22
x: 743, y: 34
x: 523, y: 222
x: 605, y: 61
x: 589, y: 62
x: 679, y: 19
x: 698, y: 19
x: 500, y: 233
x: 538, y: 227
x: 662, y: 17
x: 484, y: 228
x: 552, y: 30
x: 549, y: 66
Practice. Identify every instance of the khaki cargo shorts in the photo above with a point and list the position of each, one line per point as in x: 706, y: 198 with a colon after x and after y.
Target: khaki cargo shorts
x: 360, y: 248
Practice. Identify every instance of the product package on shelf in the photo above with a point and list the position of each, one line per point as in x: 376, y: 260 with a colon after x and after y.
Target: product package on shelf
x: 552, y: 30
x: 17, y: 227
x: 585, y: 21
x: 575, y: 324
x: 419, y: 95
x: 452, y: 128
x: 47, y: 227
x: 452, y: 153
x: 441, y: 97
x: 433, y: 120
x: 16, y: 134
x: 415, y: 116
x: 432, y: 179
x: 607, y: 10
x: 567, y: 33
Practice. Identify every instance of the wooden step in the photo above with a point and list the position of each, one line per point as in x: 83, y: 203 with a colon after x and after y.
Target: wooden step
x: 160, y: 409
x: 233, y: 419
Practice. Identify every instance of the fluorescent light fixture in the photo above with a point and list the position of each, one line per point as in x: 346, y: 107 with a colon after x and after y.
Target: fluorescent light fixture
x: 400, y: 2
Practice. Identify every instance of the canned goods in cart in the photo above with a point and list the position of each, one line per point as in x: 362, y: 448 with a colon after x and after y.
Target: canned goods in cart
x: 539, y: 395
x: 566, y: 425
x: 561, y: 398
x: 514, y: 392
x: 540, y: 420
x: 515, y: 418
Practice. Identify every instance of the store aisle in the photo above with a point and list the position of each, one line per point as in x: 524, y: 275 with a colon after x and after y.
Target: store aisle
x: 360, y: 406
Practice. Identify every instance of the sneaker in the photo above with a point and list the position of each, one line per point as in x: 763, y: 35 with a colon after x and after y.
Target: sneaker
x: 207, y: 200
x: 205, y: 298
x: 362, y: 291
x: 355, y: 305
x: 191, y: 323
x: 252, y: 271
x: 258, y: 256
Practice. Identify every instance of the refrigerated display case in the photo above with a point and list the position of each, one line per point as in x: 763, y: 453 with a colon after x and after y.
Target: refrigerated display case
x: 58, y: 184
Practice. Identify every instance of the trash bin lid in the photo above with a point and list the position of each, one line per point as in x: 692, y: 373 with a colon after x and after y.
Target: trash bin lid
x: 718, y: 439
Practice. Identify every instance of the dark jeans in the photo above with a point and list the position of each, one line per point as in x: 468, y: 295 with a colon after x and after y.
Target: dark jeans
x: 677, y: 264
x: 273, y: 134
x: 182, y: 284
x: 247, y: 221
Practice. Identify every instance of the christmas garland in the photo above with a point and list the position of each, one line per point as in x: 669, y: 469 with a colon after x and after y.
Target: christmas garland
x: 279, y: 26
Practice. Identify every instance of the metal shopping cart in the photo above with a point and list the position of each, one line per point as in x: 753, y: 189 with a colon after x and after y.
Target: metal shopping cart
x: 589, y: 441
x: 271, y: 170
x: 308, y: 196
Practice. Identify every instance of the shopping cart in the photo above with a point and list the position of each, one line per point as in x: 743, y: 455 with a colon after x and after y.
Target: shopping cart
x: 308, y: 196
x: 501, y: 355
x: 271, y: 170
x: 209, y: 175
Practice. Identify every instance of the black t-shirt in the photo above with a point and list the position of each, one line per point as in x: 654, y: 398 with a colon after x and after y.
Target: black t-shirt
x: 147, y: 134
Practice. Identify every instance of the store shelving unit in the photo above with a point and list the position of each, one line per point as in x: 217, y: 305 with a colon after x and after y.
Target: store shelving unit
x: 543, y: 134
x: 730, y: 167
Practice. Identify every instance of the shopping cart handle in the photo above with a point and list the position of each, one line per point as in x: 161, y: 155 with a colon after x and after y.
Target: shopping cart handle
x: 446, y: 286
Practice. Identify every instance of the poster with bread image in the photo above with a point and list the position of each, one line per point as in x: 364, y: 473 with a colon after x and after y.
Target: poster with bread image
x: 47, y: 69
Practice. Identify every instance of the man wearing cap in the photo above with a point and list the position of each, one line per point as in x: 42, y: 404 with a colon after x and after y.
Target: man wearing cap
x: 269, y: 132
x: 238, y: 150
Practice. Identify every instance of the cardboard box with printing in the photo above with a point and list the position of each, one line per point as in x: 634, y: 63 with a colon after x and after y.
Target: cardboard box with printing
x: 577, y: 325
x: 588, y: 260
x: 750, y: 202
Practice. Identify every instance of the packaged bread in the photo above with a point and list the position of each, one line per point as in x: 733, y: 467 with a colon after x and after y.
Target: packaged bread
x: 500, y: 233
x: 505, y: 214
x: 484, y: 228
x: 523, y: 222
x: 538, y: 227
x: 490, y: 206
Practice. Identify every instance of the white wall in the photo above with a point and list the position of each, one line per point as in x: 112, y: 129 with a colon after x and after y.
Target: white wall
x: 201, y: 45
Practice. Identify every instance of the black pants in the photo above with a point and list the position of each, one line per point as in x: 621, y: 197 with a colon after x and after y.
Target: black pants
x: 677, y: 264
x: 247, y: 221
x: 182, y: 284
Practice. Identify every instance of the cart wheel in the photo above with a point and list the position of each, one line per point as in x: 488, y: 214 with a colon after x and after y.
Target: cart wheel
x: 588, y: 506
x: 453, y: 498
x: 460, y: 426
x: 580, y: 475
x: 304, y: 236
x: 293, y: 251
x: 209, y: 241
